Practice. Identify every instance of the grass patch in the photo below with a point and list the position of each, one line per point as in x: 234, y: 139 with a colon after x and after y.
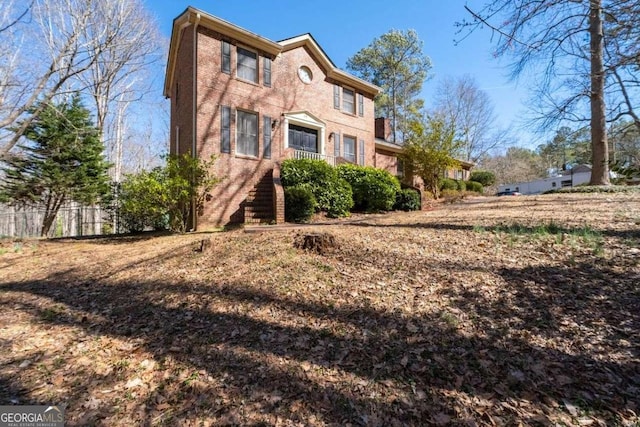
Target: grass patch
x: 573, y: 236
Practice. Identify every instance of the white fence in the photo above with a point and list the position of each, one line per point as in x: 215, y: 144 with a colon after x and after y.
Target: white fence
x: 72, y: 220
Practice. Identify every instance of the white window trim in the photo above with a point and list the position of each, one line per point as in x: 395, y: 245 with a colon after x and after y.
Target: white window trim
x: 258, y: 63
x: 255, y: 113
x: 355, y: 148
x: 355, y: 100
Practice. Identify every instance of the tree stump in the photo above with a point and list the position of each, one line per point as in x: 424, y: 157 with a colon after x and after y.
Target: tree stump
x: 316, y: 242
x: 203, y: 245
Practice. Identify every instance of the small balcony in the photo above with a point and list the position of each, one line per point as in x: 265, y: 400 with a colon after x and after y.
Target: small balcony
x: 299, y: 154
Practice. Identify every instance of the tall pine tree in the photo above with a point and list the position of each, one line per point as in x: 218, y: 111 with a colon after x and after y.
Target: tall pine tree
x: 61, y: 160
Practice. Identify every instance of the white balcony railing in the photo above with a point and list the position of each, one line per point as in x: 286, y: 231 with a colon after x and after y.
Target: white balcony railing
x: 298, y: 154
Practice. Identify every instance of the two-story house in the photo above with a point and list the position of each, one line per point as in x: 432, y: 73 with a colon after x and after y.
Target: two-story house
x: 253, y: 102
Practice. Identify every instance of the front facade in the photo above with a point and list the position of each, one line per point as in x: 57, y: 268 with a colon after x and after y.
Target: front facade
x: 252, y: 103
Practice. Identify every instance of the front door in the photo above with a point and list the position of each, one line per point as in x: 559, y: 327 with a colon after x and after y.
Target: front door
x: 303, y: 139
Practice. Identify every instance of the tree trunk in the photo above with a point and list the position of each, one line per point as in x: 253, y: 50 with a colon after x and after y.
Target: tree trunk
x: 599, y: 145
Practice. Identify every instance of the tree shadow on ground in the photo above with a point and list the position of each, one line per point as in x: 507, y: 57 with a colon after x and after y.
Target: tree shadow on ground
x: 360, y: 365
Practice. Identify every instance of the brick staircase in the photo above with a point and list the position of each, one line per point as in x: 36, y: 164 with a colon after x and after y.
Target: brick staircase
x: 258, y: 206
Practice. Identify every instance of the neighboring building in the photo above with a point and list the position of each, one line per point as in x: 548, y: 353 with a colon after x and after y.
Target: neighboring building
x: 578, y: 175
x: 253, y: 102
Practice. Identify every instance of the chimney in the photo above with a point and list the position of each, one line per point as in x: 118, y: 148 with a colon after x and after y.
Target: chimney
x: 383, y: 128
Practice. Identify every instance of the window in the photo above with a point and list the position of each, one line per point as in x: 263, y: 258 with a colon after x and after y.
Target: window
x: 361, y: 152
x: 266, y: 131
x: 266, y: 72
x: 348, y: 101
x: 247, y: 65
x: 303, y: 139
x: 247, y: 134
x: 350, y: 149
x: 360, y: 105
x: 225, y: 129
x: 553, y: 184
x: 226, y: 57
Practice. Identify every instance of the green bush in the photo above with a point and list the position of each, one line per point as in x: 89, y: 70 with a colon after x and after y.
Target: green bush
x: 448, y: 184
x: 407, y: 199
x: 161, y: 198
x: 299, y: 203
x: 485, y: 178
x: 474, y: 186
x: 462, y: 186
x: 373, y: 189
x: 332, y: 193
x: 140, y: 201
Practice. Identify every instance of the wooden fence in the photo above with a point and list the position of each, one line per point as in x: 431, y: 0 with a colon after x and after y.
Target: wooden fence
x: 72, y: 220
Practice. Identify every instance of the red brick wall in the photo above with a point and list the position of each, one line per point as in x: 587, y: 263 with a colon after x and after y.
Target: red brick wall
x: 182, y: 96
x: 286, y: 94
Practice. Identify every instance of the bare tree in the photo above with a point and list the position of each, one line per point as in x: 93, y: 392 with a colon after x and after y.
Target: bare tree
x: 101, y: 48
x: 562, y: 42
x: 470, y: 111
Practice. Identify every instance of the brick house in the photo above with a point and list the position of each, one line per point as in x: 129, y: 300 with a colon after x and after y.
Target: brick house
x: 253, y: 102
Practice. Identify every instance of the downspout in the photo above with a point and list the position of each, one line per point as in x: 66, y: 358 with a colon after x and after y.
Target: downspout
x: 194, y: 154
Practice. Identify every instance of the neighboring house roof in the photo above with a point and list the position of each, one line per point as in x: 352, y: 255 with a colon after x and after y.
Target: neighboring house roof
x: 388, y: 146
x: 195, y: 16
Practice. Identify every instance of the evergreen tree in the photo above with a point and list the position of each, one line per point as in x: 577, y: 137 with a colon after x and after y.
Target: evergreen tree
x: 396, y: 63
x: 61, y: 160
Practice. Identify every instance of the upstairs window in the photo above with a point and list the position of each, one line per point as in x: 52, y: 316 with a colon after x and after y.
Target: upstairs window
x: 247, y: 65
x: 348, y: 101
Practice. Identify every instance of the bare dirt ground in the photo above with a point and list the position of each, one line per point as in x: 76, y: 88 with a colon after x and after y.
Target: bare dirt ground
x: 509, y: 311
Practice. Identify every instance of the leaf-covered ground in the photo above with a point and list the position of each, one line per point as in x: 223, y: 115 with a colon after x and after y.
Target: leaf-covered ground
x: 510, y: 311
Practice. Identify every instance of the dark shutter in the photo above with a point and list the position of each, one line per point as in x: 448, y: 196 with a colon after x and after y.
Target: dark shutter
x: 266, y: 72
x: 361, y: 152
x: 336, y: 144
x: 336, y: 97
x: 266, y: 131
x: 225, y: 129
x: 226, y: 57
x: 360, y: 105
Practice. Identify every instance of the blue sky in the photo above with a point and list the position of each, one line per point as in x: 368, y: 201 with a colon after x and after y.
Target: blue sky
x: 342, y: 28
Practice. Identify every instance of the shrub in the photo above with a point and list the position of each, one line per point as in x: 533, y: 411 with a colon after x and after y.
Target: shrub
x: 474, y: 186
x: 332, y: 194
x: 162, y: 197
x: 407, y: 199
x: 373, y: 189
x: 485, y: 178
x: 462, y: 186
x: 299, y: 203
x: 448, y: 184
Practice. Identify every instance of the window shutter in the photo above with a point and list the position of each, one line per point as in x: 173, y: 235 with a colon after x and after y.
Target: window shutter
x: 360, y: 105
x: 225, y: 129
x: 336, y: 144
x: 266, y: 131
x: 361, y: 152
x: 226, y: 57
x: 266, y: 72
x: 336, y: 97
